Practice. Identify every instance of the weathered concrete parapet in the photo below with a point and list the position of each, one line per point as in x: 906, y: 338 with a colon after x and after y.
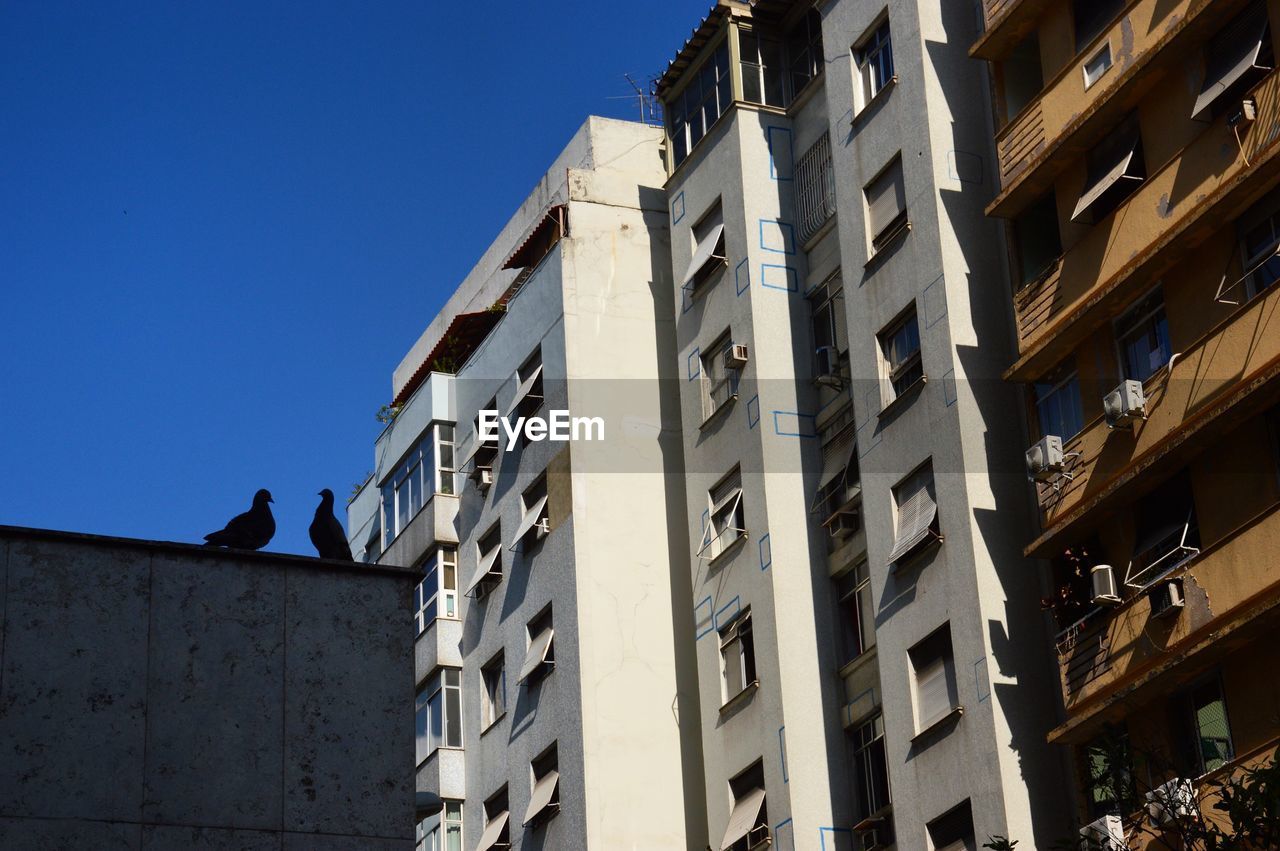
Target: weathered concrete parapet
x: 158, y: 695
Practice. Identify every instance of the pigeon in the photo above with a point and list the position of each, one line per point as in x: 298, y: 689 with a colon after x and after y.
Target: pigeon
x: 326, y: 532
x: 249, y: 531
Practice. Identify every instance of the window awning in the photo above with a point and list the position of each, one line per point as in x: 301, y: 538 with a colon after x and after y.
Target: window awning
x: 530, y: 519
x: 915, y: 523
x: 746, y: 812
x: 522, y: 392
x: 539, y: 648
x: 487, y: 563
x: 709, y: 251
x: 457, y: 343
x: 543, y: 791
x: 492, y: 831
x: 731, y: 496
x: 835, y: 463
x: 474, y: 450
x: 1123, y: 157
x: 1231, y: 54
x: 550, y: 228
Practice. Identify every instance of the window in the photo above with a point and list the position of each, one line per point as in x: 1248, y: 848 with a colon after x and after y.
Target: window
x: 838, y: 483
x: 484, y: 449
x: 887, y: 206
x: 1210, y: 728
x: 437, y: 593
x: 874, y: 59
x: 534, y: 525
x: 1108, y: 774
x: 493, y: 679
x: 1097, y: 65
x: 1037, y: 238
x: 900, y: 343
x: 439, y: 712
x: 544, y: 799
x: 857, y: 616
x: 416, y: 478
x: 1234, y: 59
x: 1142, y: 334
x: 1113, y: 170
x: 934, y: 679
x: 830, y: 333
x: 917, y: 514
x: 497, y: 822
x: 691, y: 114
x: 724, y: 518
x: 1260, y: 246
x: 488, y: 563
x: 540, y: 655
x: 1092, y: 17
x: 529, y: 390
x: 1166, y: 532
x: 708, y: 253
x: 1058, y: 402
x: 870, y: 769
x: 804, y: 46
x: 953, y: 831
x: 719, y: 376
x: 762, y: 69
x: 442, y: 831
x: 1021, y: 76
x: 815, y: 188
x: 748, y: 826
x: 737, y: 656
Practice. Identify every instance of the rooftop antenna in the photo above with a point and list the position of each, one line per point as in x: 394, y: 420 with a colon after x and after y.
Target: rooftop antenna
x: 647, y: 104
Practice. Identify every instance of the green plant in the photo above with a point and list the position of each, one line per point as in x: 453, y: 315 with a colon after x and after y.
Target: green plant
x: 387, y: 413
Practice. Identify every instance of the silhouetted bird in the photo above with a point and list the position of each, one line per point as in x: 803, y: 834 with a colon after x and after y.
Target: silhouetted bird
x: 327, y: 533
x: 249, y: 531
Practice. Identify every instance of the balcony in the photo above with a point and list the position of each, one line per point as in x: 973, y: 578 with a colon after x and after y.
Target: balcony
x: 1151, y: 39
x: 433, y: 524
x: 1159, y: 225
x: 1115, y: 659
x: 1221, y: 380
x: 444, y: 773
x: 1005, y: 23
x: 439, y: 645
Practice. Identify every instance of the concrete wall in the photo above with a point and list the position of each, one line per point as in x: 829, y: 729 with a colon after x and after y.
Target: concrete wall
x: 159, y: 695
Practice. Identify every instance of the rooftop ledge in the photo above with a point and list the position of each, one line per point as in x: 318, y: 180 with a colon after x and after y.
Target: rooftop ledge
x: 20, y: 533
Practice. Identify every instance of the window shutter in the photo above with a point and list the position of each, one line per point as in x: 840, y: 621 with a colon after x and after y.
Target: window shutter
x: 931, y: 692
x: 1230, y: 55
x: 886, y: 198
x: 915, y: 522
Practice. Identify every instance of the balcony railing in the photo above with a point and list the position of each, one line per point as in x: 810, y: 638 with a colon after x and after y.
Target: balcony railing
x: 1108, y: 647
x: 1067, y: 106
x: 1206, y: 177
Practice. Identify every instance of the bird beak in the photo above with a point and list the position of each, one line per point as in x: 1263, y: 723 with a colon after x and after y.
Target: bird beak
x: 269, y: 499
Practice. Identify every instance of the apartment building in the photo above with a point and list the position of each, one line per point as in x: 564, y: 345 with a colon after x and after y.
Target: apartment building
x: 1138, y: 174
x: 550, y: 651
x: 872, y: 665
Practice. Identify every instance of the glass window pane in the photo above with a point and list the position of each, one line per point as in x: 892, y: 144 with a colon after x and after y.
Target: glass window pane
x: 435, y: 706
x: 1212, y: 730
x: 453, y: 717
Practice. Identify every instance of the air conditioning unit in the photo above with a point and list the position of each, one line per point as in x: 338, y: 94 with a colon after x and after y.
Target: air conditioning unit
x: 1166, y: 599
x: 870, y: 840
x: 843, y: 524
x: 1247, y: 113
x: 1045, y: 460
x: 484, y: 477
x: 1106, y: 833
x: 735, y: 357
x: 1125, y: 405
x: 542, y: 528
x: 1173, y: 802
x: 1103, y: 578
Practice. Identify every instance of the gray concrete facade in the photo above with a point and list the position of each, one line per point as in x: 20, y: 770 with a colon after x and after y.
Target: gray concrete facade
x: 157, y: 695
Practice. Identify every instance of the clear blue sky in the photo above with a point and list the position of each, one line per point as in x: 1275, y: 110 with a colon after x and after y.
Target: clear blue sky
x: 223, y: 224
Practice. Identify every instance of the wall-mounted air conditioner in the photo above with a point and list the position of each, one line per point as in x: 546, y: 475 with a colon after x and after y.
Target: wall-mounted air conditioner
x: 1125, y: 405
x: 1166, y: 599
x: 484, y: 477
x: 735, y: 357
x: 843, y: 524
x: 1172, y: 802
x: 1045, y: 460
x: 870, y: 840
x: 1106, y: 833
x: 1103, y: 579
x: 542, y: 528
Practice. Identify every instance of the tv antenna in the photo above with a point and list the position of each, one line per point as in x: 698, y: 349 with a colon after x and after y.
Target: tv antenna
x: 649, y: 107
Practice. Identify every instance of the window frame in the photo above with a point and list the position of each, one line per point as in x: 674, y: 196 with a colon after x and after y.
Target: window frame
x: 1201, y: 765
x: 856, y: 605
x: 413, y: 468
x: 931, y: 659
x: 493, y: 691
x: 449, y: 694
x: 725, y: 500
x: 770, y: 78
x: 873, y: 58
x: 1141, y: 319
x: 676, y: 109
x: 908, y: 371
x: 436, y: 568
x: 1063, y: 379
x: 716, y: 377
x: 804, y: 43
x: 737, y: 657
x: 868, y: 742
x: 885, y: 234
x: 1265, y: 259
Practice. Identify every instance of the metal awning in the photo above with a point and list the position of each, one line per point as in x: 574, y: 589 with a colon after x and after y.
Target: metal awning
x: 543, y: 791
x: 492, y: 831
x: 457, y: 342
x: 530, y: 519
x: 915, y: 523
x: 709, y: 251
x: 546, y: 233
x: 746, y: 812
x: 522, y: 392
x: 1231, y: 54
x: 1125, y: 154
x: 539, y: 648
x: 487, y: 564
